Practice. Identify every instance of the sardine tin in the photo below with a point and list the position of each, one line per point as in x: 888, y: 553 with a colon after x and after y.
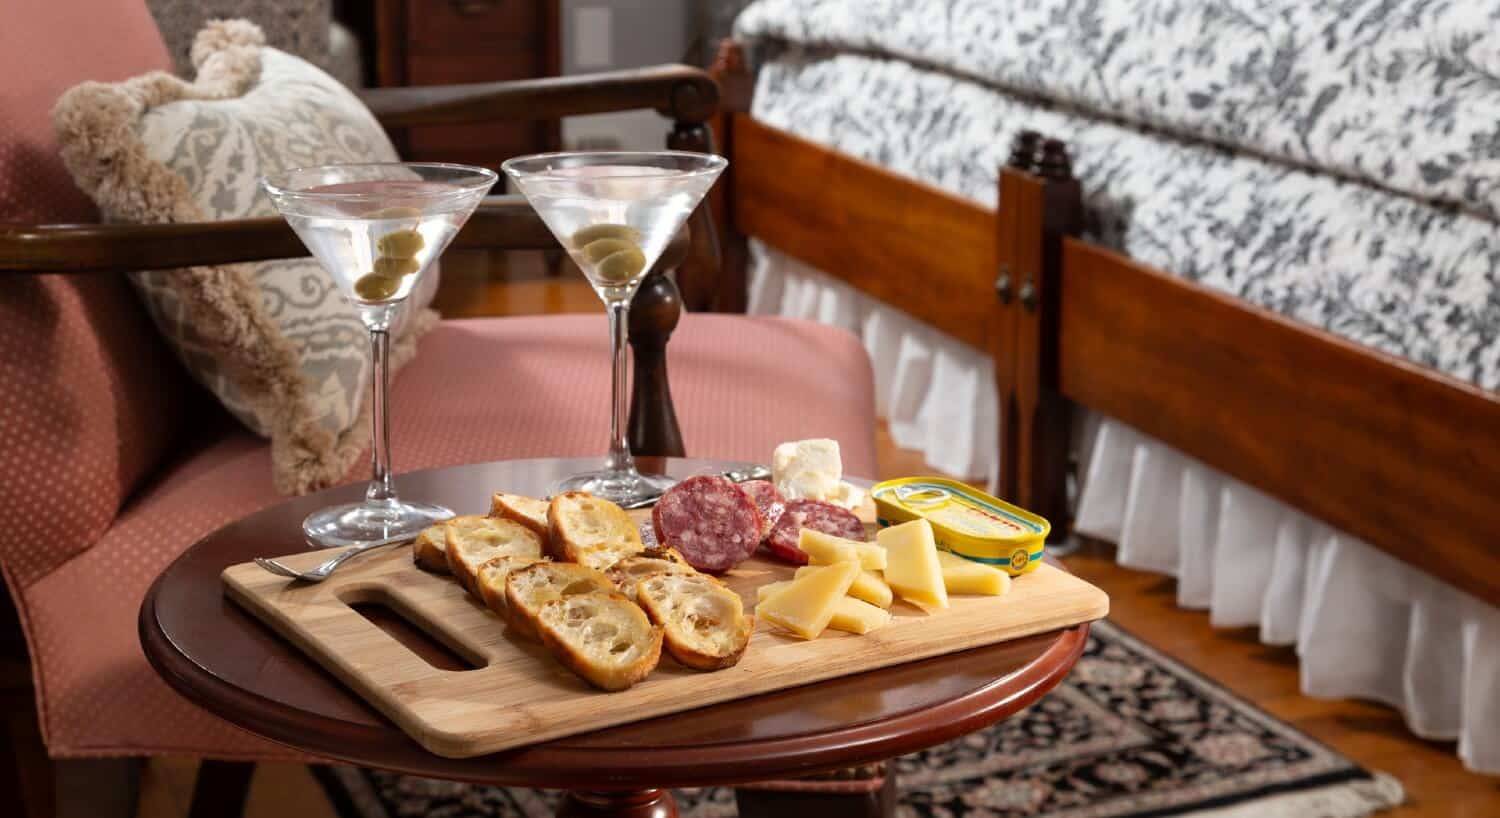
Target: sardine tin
x: 966, y: 521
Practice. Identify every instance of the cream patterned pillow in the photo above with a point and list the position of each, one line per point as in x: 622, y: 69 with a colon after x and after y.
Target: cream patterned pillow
x: 273, y: 340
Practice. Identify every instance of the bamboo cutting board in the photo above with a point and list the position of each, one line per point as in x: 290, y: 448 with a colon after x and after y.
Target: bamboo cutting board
x: 519, y: 695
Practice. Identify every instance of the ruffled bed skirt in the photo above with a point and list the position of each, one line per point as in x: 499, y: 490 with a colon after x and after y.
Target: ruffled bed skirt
x: 1365, y: 624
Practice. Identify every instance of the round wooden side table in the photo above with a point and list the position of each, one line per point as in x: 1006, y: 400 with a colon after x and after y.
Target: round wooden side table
x: 229, y: 663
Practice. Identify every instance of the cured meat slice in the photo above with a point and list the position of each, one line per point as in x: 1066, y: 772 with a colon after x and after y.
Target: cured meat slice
x: 768, y: 500
x: 710, y: 520
x: 817, y: 515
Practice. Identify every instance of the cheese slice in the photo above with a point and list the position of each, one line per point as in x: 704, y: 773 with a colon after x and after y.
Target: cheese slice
x: 807, y: 469
x: 847, y: 495
x: 826, y: 549
x: 912, y: 567
x: 868, y: 586
x: 849, y: 614
x: 806, y: 605
x: 963, y: 576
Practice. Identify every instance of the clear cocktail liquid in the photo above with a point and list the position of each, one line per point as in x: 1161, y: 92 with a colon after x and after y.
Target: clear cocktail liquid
x: 376, y: 245
x: 650, y: 204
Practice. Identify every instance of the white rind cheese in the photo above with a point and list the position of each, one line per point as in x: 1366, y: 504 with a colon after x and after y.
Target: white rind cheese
x: 808, y: 469
x: 912, y: 567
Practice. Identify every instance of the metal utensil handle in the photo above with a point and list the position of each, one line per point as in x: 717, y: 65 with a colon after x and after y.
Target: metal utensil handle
x: 345, y: 556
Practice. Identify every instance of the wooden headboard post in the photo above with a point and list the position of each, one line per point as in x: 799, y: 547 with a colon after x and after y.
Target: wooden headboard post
x: 1039, y: 204
x: 736, y: 85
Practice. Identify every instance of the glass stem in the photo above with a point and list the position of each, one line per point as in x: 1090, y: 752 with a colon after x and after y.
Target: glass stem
x: 381, y: 490
x: 619, y: 450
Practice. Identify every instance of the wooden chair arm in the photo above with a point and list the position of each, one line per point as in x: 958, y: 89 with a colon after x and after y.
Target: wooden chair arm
x: 680, y: 92
x: 500, y: 222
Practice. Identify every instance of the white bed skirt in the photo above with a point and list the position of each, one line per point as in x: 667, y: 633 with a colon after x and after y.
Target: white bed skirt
x: 1365, y: 624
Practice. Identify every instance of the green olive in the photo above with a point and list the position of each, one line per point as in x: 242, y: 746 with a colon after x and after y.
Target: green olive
x: 372, y: 287
x: 395, y: 267
x: 395, y: 213
x: 594, y: 232
x: 596, y: 250
x: 622, y: 265
x: 400, y: 244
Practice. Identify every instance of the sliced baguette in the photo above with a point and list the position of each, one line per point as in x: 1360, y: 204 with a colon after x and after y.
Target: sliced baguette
x: 603, y: 637
x: 591, y: 531
x: 472, y: 541
x: 705, y: 622
x: 631, y: 570
x: 492, y: 580
x: 430, y: 551
x: 527, y: 511
x: 528, y: 589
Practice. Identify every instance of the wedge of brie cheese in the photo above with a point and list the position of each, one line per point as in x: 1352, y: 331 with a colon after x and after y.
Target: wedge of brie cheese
x: 813, y: 470
x: 807, y: 469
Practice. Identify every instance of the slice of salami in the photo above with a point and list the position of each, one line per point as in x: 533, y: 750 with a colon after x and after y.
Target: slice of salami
x: 712, y: 521
x: 768, y: 500
x: 817, y: 515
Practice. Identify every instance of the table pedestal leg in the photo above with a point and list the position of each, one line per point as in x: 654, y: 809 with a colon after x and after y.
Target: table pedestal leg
x: 620, y: 804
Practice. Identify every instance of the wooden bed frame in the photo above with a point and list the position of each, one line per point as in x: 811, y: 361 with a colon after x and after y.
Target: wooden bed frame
x: 1401, y: 456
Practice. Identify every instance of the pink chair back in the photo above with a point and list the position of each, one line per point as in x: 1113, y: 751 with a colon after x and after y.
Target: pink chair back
x: 91, y: 400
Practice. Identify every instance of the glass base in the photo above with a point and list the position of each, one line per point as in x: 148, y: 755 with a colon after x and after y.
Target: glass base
x: 622, y: 487
x: 367, y: 521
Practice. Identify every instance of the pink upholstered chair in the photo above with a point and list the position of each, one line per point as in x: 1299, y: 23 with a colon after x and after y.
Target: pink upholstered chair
x: 115, y: 461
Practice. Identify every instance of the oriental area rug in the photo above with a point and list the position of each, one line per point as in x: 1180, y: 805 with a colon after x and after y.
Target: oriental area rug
x: 1130, y: 733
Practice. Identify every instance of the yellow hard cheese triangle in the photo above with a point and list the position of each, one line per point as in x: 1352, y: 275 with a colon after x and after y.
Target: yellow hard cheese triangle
x: 850, y: 615
x: 962, y: 576
x: 867, y: 586
x: 912, y: 568
x: 826, y: 549
x: 806, y: 605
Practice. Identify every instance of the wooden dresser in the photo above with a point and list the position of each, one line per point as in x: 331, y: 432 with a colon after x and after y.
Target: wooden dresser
x: 432, y: 42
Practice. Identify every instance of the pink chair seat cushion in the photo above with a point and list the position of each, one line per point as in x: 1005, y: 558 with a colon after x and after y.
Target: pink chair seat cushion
x: 478, y: 390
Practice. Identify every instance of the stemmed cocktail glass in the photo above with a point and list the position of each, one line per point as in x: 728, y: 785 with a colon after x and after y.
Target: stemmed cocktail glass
x: 376, y: 228
x: 615, y: 212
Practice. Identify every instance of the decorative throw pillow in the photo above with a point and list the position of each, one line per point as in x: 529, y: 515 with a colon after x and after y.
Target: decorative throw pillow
x: 274, y: 340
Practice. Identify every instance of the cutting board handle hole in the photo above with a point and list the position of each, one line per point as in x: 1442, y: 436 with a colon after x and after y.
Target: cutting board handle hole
x: 414, y: 631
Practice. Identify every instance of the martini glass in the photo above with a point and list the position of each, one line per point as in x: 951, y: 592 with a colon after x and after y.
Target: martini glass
x: 376, y: 228
x: 614, y: 212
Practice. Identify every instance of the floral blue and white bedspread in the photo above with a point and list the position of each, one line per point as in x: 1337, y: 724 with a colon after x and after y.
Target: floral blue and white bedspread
x: 1337, y: 162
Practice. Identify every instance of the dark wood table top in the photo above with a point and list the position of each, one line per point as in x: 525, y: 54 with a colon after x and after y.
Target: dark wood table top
x: 229, y: 663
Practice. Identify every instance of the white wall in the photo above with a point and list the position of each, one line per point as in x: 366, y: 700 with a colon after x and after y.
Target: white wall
x: 600, y: 35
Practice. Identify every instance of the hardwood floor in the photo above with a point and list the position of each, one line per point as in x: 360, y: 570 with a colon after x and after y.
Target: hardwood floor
x: 1437, y: 785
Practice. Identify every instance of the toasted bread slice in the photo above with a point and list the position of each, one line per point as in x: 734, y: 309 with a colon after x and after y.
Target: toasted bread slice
x: 527, y: 511
x: 492, y: 580
x: 472, y: 541
x: 705, y: 622
x: 591, y: 531
x: 430, y: 551
x: 603, y: 637
x: 529, y: 588
x: 631, y: 570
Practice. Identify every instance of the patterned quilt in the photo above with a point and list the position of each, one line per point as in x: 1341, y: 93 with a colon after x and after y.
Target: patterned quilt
x: 1335, y: 162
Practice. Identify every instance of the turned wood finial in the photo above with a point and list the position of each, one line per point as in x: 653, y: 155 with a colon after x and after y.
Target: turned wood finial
x: 731, y: 71
x: 1055, y: 162
x: 654, y: 313
x: 1023, y: 151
